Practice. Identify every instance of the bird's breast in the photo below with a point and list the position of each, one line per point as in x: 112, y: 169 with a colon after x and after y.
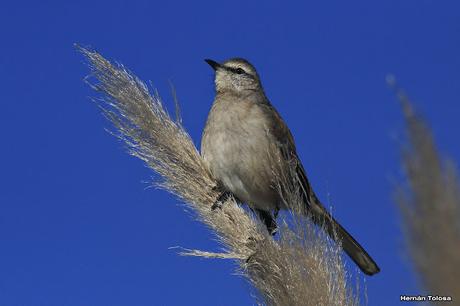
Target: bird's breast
x: 235, y: 147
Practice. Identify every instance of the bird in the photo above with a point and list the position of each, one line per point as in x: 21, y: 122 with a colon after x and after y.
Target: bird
x: 244, y: 139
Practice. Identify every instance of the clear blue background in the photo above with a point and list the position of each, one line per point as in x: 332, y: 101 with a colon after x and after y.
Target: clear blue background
x: 78, y: 225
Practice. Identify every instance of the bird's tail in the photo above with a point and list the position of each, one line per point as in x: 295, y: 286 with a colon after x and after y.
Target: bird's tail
x: 349, y: 244
x: 323, y: 218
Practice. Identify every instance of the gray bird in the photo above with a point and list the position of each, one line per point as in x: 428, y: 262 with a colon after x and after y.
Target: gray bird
x: 244, y: 135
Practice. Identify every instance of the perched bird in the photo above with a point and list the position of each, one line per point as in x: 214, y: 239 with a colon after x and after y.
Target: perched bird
x: 244, y: 136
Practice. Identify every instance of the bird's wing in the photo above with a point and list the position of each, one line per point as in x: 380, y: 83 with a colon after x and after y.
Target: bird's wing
x: 311, y: 204
x: 283, y: 138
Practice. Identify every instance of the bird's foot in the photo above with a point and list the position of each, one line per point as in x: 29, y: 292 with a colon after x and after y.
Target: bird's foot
x: 270, y: 222
x: 272, y: 230
x: 221, y: 199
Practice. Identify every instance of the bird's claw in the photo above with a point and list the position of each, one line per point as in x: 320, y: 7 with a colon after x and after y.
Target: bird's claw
x: 217, y: 204
x: 220, y: 200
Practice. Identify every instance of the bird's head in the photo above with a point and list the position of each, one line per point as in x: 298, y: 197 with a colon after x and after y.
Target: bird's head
x: 235, y: 75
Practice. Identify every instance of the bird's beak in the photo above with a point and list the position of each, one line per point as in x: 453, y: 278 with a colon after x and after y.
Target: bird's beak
x: 215, y: 65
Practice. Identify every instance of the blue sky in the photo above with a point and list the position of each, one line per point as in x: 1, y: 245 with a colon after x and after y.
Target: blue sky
x: 78, y: 225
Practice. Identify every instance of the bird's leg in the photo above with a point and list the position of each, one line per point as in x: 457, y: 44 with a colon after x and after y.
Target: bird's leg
x: 221, y: 199
x: 267, y: 218
x: 275, y: 213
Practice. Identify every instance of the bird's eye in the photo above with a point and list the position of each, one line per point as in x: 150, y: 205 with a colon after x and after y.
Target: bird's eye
x: 239, y: 71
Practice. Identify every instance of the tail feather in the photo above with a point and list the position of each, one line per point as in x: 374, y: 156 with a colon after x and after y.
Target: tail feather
x: 323, y: 218
x: 353, y: 249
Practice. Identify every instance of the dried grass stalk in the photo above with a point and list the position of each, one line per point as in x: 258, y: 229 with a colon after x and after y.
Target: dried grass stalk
x: 303, y: 268
x: 430, y: 208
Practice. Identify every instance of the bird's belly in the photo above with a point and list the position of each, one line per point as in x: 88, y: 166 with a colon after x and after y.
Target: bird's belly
x: 242, y: 164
